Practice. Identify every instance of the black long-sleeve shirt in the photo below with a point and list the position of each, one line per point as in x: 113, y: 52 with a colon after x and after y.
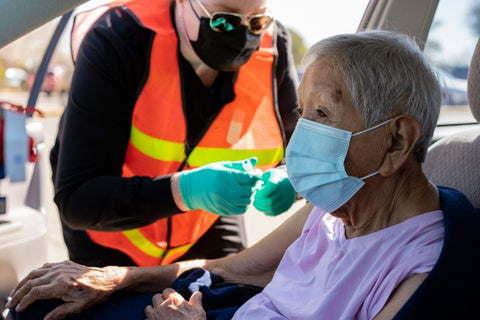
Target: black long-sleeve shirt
x: 87, y: 158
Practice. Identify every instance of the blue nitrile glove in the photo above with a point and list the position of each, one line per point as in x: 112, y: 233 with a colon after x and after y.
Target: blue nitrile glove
x: 275, y: 194
x: 224, y: 188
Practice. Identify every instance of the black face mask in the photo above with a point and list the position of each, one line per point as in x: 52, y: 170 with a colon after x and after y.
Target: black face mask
x: 224, y: 51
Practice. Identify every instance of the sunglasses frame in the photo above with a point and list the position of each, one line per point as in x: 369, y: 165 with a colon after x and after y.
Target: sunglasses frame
x: 243, y: 17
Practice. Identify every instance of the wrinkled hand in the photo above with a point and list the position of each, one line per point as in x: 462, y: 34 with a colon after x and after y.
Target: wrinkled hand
x: 78, y: 286
x: 170, y: 305
x: 224, y: 188
x: 275, y: 194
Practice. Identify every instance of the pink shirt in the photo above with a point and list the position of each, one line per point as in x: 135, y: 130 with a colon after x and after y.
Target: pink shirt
x: 323, y: 275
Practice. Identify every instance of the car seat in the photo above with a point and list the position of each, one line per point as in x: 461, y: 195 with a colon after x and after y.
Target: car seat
x: 453, y: 160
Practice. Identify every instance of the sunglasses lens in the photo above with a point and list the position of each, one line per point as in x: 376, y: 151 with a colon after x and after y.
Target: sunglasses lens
x: 224, y: 22
x: 259, y: 23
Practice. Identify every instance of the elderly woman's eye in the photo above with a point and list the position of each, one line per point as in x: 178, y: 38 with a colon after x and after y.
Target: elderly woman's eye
x: 320, y: 113
x: 300, y: 111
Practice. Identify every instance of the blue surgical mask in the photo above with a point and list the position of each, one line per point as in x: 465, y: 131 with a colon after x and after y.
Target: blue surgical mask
x: 315, y: 164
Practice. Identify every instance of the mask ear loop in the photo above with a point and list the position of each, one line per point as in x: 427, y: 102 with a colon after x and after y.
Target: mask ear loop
x: 372, y: 128
x: 369, y: 175
x: 185, y: 26
x: 195, y: 11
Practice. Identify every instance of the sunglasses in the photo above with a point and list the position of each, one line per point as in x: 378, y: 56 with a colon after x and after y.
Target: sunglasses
x: 229, y: 21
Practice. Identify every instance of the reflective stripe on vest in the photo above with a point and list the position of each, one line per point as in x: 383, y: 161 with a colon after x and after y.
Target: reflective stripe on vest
x: 147, y: 247
x: 247, y: 126
x: 173, y: 151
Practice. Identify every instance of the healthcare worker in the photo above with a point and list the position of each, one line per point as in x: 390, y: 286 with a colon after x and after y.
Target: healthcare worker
x: 173, y: 108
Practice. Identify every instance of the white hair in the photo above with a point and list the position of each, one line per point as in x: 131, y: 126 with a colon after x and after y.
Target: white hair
x: 386, y: 75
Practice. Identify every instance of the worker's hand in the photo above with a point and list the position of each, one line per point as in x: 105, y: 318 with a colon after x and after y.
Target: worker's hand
x: 275, y: 193
x: 80, y: 287
x: 224, y: 188
x: 171, y: 305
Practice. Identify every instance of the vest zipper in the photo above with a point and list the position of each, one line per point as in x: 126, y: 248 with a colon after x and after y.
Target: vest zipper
x: 197, y: 141
x: 189, y: 148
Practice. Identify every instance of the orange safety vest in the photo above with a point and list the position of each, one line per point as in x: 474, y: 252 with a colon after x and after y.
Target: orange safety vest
x: 248, y: 126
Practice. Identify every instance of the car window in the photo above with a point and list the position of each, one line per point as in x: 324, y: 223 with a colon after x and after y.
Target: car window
x: 449, y: 47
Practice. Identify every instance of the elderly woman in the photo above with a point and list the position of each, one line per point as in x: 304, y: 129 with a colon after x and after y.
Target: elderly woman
x: 370, y: 241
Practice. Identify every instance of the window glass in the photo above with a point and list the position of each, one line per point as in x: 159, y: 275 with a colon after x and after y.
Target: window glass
x: 449, y: 47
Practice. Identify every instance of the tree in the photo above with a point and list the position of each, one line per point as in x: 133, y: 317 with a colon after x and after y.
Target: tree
x: 298, y: 46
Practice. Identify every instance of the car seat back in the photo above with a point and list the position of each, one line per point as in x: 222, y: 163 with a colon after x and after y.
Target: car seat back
x: 453, y: 160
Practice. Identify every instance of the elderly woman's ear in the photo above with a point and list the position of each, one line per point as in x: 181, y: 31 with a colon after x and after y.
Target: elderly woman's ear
x: 404, y: 134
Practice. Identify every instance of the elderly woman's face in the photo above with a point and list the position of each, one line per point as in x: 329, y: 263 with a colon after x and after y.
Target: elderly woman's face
x: 323, y: 98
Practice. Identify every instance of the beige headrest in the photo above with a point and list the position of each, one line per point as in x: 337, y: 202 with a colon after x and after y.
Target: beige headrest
x: 474, y: 83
